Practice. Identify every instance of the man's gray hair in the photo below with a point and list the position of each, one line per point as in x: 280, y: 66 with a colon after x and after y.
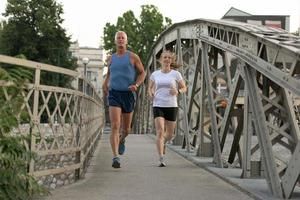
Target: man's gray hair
x: 116, y: 35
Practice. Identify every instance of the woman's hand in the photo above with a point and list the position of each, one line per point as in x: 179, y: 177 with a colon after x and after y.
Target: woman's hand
x: 173, y: 91
x: 150, y: 95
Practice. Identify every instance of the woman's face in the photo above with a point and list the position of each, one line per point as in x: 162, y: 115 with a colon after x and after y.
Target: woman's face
x: 166, y: 59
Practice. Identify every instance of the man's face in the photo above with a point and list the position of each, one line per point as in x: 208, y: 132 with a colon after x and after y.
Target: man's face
x: 121, y: 39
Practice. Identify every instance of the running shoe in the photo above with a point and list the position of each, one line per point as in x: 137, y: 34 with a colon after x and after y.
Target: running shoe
x: 116, y: 162
x: 122, y: 147
x: 162, y: 163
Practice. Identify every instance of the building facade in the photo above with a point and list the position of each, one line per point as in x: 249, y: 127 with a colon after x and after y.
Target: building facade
x: 95, y: 65
x: 275, y: 21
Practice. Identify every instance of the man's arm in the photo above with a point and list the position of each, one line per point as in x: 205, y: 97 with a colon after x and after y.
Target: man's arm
x: 136, y: 61
x: 106, y: 80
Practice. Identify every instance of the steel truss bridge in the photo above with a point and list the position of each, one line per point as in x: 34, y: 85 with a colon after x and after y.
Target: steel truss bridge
x: 256, y: 70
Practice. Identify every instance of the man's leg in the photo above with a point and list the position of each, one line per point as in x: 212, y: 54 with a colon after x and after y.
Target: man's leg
x: 126, y: 129
x: 115, y: 120
x: 126, y: 122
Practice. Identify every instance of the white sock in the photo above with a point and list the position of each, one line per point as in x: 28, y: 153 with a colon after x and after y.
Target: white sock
x: 161, y: 159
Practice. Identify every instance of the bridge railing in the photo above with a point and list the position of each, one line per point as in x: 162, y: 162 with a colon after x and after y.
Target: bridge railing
x: 65, y: 122
x: 260, y: 126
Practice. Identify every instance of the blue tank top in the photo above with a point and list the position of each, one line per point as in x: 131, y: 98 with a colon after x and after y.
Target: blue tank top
x: 122, y: 72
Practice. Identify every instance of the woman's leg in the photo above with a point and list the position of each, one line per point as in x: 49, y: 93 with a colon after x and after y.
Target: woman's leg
x: 170, y: 128
x: 160, y: 129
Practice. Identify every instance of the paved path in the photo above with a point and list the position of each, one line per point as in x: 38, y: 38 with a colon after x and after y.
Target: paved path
x: 140, y: 179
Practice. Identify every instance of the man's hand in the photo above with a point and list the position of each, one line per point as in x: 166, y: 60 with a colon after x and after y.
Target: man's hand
x: 105, y: 89
x: 133, y: 88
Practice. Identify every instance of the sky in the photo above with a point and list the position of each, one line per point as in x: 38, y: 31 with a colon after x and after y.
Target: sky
x: 85, y: 19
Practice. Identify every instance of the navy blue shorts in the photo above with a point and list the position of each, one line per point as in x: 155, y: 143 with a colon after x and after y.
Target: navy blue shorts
x: 123, y: 99
x: 169, y: 113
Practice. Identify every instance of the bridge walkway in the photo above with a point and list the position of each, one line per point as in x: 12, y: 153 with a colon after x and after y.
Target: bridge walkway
x: 139, y: 178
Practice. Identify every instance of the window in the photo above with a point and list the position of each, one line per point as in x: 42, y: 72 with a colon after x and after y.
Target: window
x: 89, y: 75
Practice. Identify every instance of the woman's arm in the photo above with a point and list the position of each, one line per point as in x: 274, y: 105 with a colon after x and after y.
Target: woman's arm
x: 181, y: 86
x: 151, y: 89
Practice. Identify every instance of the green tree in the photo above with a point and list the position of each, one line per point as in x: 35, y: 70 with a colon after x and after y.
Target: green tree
x: 1, y: 30
x: 141, y: 32
x: 34, y: 29
x: 15, y: 182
